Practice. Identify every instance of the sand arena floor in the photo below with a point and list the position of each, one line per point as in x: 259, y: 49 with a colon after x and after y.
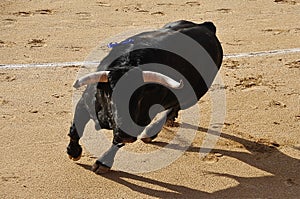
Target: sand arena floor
x: 257, y: 155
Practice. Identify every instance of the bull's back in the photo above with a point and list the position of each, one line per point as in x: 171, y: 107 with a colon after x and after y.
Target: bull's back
x: 148, y: 47
x: 204, y: 34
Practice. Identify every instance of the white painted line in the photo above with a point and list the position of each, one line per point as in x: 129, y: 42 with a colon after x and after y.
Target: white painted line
x: 45, y: 65
x: 263, y: 53
x: 92, y: 63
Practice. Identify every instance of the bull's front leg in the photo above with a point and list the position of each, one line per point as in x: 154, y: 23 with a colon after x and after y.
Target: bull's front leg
x: 105, y: 162
x: 74, y: 149
x: 81, y: 118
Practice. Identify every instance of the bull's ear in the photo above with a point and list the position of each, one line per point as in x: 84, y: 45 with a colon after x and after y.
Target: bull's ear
x: 210, y: 26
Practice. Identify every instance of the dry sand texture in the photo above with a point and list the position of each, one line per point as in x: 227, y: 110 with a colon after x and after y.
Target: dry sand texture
x: 258, y: 154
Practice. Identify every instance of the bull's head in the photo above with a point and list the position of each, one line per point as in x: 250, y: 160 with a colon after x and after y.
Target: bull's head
x: 123, y: 123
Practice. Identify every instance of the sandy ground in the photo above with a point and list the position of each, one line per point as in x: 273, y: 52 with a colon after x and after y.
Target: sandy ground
x: 258, y: 154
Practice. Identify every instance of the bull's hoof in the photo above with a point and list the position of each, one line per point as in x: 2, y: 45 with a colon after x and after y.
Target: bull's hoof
x: 100, y: 168
x: 74, y: 151
x: 75, y: 159
x: 172, y: 123
x: 147, y: 140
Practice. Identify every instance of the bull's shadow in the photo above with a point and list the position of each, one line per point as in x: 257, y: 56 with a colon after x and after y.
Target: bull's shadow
x: 282, y: 183
x: 177, y: 191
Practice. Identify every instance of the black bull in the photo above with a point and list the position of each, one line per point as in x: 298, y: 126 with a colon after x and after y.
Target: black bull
x: 172, y: 46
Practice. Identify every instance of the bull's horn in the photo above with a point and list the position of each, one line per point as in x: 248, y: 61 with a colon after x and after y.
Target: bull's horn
x: 100, y: 76
x: 155, y: 77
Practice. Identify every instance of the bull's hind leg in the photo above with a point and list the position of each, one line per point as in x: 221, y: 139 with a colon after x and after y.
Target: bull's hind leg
x: 152, y: 130
x: 172, y: 115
